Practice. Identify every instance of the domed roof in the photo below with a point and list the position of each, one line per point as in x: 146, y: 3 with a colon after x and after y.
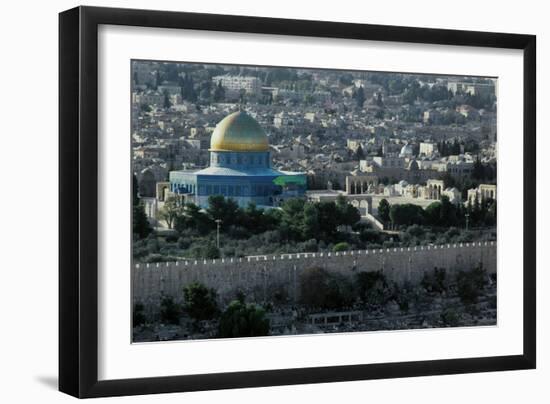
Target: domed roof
x: 239, y: 132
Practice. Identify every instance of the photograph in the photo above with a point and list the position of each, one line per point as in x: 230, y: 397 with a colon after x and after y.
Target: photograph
x: 269, y: 202
x: 277, y: 201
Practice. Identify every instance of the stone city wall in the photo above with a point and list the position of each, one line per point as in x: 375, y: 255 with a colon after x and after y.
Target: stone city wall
x: 261, y: 277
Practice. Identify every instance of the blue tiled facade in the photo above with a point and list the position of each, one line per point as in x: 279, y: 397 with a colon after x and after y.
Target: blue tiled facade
x: 243, y: 176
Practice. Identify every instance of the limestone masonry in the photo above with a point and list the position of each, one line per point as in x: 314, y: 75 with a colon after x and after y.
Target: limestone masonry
x: 260, y: 277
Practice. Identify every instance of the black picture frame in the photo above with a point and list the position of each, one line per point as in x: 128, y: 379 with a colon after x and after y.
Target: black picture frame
x: 78, y: 196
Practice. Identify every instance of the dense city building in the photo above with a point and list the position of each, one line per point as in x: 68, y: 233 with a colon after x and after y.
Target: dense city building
x: 235, y: 84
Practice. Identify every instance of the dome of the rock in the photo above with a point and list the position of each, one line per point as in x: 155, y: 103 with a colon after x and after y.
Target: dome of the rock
x: 239, y: 132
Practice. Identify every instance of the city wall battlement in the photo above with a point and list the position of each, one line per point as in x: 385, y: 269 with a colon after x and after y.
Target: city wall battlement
x: 263, y: 277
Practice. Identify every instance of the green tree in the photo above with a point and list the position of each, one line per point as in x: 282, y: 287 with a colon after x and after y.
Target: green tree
x: 158, y: 79
x: 441, y: 213
x: 254, y: 219
x: 170, y: 211
x: 359, y: 153
x: 242, y: 96
x: 476, y: 212
x: 167, y: 104
x: 310, y: 222
x: 406, y: 214
x: 329, y: 219
x: 200, y: 302
x: 448, y: 212
x: 224, y: 209
x: 348, y: 214
x: 243, y: 320
x: 219, y: 93
x: 449, y: 180
x: 490, y: 218
x: 292, y: 219
x: 478, y: 171
x: 415, y: 230
x: 433, y: 213
x: 193, y: 219
x: 346, y: 79
x: 379, y: 100
x: 384, y: 210
x: 188, y: 89
x: 371, y: 236
x: 360, y: 97
x: 140, y: 223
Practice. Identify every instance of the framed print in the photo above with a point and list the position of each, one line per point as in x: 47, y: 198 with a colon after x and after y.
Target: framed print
x: 251, y: 201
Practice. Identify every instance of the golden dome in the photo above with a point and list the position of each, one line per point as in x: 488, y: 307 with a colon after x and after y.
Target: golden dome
x: 239, y: 132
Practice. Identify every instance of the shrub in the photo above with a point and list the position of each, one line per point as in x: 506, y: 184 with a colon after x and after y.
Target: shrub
x: 321, y: 289
x: 310, y: 245
x: 404, y: 296
x: 204, y: 251
x: 435, y: 281
x: 470, y: 284
x: 370, y: 236
x: 153, y: 245
x: 183, y: 243
x: 243, y: 320
x: 280, y: 295
x: 452, y: 232
x: 343, y: 246
x: 415, y: 230
x: 171, y: 238
x: 465, y: 237
x: 152, y: 258
x: 228, y: 252
x: 210, y: 251
x: 200, y: 302
x: 450, y: 317
x: 373, y: 288
x: 138, y: 317
x: 169, y: 311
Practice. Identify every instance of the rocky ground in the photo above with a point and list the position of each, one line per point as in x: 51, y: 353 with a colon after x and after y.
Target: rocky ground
x: 431, y: 311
